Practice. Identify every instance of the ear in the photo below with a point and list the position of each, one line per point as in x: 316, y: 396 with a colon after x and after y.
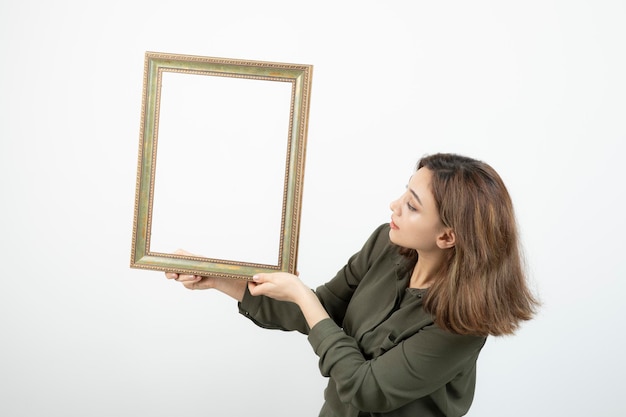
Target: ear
x: 447, y: 239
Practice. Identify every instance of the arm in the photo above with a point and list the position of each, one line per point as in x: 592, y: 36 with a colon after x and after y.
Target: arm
x: 431, y: 362
x: 287, y: 287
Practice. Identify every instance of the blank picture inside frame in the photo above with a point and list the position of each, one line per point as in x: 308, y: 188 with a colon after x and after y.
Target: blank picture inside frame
x: 237, y: 145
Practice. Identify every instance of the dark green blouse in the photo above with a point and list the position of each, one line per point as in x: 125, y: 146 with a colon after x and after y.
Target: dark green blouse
x: 381, y: 351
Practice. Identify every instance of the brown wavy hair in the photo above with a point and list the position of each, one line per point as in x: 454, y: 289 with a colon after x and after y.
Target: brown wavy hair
x: 482, y: 288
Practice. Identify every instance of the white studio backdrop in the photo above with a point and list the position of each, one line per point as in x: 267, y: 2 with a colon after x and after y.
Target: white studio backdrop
x: 535, y: 88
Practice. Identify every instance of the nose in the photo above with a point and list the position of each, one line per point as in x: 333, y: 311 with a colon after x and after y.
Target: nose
x: 395, y: 205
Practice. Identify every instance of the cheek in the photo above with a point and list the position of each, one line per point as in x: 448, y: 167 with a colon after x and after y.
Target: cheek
x: 405, y: 237
x: 419, y: 229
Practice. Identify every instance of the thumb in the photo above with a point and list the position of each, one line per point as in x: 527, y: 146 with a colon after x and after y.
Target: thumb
x: 259, y: 278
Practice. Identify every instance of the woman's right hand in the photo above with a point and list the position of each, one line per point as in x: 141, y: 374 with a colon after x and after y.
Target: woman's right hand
x: 234, y: 288
x: 192, y: 282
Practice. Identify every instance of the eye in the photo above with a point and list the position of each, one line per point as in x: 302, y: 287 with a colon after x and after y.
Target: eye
x: 411, y: 207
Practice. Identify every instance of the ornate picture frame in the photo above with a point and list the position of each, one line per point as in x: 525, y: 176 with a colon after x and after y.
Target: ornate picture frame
x: 231, y: 139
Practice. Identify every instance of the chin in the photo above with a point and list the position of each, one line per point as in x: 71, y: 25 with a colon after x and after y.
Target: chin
x: 393, y: 237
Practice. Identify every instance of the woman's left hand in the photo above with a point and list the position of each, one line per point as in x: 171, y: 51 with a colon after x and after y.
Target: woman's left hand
x: 288, y: 287
x: 278, y: 285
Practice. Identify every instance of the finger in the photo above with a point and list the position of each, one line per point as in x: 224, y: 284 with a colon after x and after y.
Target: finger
x: 256, y: 288
x: 171, y: 275
x: 253, y: 287
x: 187, y: 278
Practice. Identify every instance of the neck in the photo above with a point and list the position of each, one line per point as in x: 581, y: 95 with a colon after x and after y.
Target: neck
x: 419, y: 280
x: 425, y: 271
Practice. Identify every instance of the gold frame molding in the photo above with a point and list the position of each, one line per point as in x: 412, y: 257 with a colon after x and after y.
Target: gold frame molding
x: 299, y: 75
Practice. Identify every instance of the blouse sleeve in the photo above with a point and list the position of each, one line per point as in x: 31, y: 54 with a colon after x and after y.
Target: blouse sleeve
x: 409, y: 370
x: 272, y: 314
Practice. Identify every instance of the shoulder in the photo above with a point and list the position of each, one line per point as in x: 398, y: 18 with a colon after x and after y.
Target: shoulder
x: 379, y: 238
x: 377, y: 246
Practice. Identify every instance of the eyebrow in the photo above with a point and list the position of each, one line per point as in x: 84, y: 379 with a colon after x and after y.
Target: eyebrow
x: 416, y: 196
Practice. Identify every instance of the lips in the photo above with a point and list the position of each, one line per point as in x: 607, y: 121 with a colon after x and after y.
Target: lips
x: 393, y: 225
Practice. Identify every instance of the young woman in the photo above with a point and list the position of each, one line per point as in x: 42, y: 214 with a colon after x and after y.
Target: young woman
x: 398, y: 330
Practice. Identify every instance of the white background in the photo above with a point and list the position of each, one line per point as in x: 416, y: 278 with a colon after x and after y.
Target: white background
x: 535, y: 88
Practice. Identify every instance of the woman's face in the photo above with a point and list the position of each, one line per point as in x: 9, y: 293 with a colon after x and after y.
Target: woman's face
x: 415, y: 221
